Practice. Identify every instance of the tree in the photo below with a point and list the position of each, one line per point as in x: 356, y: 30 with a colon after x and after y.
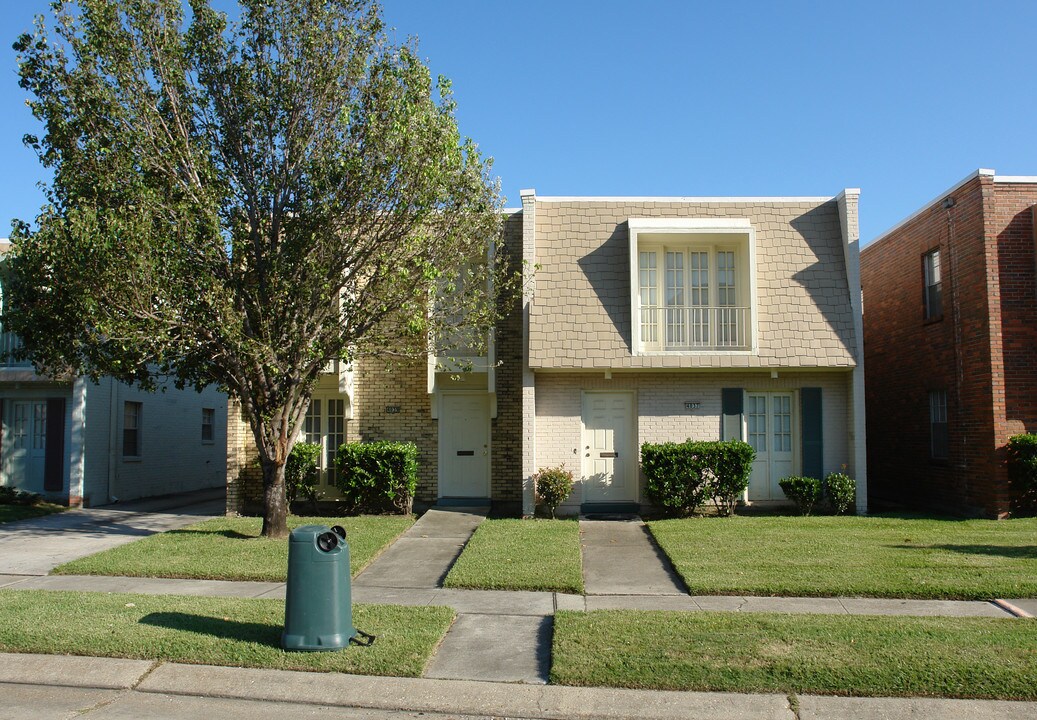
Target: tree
x: 240, y: 201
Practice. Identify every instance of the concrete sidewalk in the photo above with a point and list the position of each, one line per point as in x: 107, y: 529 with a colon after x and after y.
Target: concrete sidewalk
x: 38, y: 545
x: 43, y: 686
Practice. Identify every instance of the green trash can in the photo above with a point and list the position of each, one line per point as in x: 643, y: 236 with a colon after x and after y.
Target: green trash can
x: 318, y: 610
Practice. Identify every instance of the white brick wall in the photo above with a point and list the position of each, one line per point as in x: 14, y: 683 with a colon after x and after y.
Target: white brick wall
x: 659, y: 404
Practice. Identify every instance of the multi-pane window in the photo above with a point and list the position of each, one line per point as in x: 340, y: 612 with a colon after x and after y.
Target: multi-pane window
x: 933, y: 285
x: 695, y: 302
x: 756, y: 422
x: 782, y: 416
x: 649, y: 298
x: 939, y: 439
x: 208, y: 425
x: 131, y: 436
x: 325, y: 425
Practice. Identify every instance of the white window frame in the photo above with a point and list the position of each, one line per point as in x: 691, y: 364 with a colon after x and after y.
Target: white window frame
x: 932, y: 273
x: 743, y: 241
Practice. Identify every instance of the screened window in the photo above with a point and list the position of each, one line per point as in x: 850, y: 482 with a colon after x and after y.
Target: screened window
x: 939, y: 439
x: 933, y: 285
x: 208, y: 425
x: 131, y: 435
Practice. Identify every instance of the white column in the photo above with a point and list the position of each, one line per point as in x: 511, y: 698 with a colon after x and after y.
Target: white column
x: 77, y: 444
x: 528, y: 377
x: 848, y: 203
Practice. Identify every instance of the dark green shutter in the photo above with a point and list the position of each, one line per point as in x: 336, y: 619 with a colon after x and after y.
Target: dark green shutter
x: 54, y: 452
x: 813, y: 447
x: 731, y: 408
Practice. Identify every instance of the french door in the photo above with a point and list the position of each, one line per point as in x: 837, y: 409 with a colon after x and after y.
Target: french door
x: 769, y: 429
x: 325, y: 425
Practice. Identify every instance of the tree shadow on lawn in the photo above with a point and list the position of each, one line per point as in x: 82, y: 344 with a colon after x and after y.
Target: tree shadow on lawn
x: 259, y: 633
x: 1007, y: 551
x: 232, y: 534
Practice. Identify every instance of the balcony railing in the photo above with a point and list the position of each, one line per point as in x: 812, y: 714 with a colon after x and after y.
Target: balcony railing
x: 8, y: 343
x: 695, y: 327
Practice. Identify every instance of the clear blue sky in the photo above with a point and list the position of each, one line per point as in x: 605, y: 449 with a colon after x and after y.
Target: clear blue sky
x: 573, y: 97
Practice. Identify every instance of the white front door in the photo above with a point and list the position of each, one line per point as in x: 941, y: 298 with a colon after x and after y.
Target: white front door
x: 464, y: 446
x: 608, y: 448
x: 768, y: 421
x: 326, y: 426
x: 25, y: 444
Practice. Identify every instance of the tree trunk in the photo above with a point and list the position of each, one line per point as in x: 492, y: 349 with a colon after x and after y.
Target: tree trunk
x: 275, y: 505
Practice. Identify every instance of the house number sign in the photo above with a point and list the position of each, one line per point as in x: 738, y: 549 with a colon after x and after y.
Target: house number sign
x: 392, y: 409
x: 693, y: 405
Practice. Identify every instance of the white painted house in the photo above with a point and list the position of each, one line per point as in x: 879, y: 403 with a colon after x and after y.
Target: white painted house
x: 81, y: 443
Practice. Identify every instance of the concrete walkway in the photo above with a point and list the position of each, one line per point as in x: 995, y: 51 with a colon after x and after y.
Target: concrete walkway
x: 54, y: 686
x: 38, y: 545
x: 621, y: 558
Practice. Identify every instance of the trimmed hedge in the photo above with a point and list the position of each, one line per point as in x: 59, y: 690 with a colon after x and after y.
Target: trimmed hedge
x: 804, y: 491
x: 841, y: 491
x: 302, y: 472
x: 1022, y: 470
x: 681, y: 476
x: 378, y: 476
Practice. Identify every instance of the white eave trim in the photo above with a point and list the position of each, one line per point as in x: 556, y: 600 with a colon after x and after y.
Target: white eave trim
x: 926, y: 206
x: 697, y: 225
x: 686, y: 199
x: 1024, y: 179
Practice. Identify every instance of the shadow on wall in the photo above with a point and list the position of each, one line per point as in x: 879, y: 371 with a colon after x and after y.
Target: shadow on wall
x: 607, y: 269
x: 825, y: 280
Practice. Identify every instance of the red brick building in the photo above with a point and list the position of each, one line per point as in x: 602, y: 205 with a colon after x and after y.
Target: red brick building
x: 950, y: 347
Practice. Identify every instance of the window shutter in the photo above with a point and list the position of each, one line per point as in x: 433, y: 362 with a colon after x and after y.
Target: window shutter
x: 54, y: 454
x: 731, y: 407
x: 813, y: 448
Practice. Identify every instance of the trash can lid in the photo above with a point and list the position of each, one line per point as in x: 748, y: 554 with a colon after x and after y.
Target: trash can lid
x: 306, y: 533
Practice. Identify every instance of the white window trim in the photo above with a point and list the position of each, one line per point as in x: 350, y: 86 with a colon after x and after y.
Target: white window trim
x: 685, y: 226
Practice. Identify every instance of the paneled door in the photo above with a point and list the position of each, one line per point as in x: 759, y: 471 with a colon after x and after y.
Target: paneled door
x: 325, y: 425
x: 25, y: 444
x: 608, y: 449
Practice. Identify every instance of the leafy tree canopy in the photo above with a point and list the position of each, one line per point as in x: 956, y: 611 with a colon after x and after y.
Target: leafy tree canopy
x: 239, y: 202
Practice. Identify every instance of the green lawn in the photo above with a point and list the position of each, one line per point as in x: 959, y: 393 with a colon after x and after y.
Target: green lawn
x: 210, y: 631
x: 10, y: 513
x: 825, y: 654
x: 521, y: 555
x: 859, y: 556
x: 231, y: 549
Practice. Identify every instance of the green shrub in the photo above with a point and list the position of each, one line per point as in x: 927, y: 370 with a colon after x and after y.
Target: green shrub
x: 1022, y: 470
x: 553, y: 486
x: 378, y: 476
x: 804, y: 491
x: 302, y: 472
x: 14, y: 496
x: 681, y: 476
x: 841, y: 491
x: 731, y: 463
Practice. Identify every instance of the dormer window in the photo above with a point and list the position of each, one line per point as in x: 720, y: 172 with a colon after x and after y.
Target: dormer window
x: 694, y: 285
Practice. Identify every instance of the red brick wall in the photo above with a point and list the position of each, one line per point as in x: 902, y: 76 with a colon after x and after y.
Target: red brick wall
x: 987, y: 253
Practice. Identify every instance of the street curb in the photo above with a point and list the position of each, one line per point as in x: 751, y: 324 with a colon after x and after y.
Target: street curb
x: 1011, y: 609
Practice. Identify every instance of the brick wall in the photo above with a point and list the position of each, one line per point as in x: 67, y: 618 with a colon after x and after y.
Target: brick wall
x: 661, y: 416
x: 980, y: 352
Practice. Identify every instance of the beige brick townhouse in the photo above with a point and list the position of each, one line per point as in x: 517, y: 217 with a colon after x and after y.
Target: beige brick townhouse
x: 645, y: 320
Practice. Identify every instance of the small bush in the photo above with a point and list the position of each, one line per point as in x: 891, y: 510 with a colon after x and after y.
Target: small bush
x: 378, y: 476
x: 553, y: 486
x: 681, y: 476
x: 1022, y: 470
x: 804, y: 491
x: 14, y: 496
x: 302, y: 472
x: 841, y: 491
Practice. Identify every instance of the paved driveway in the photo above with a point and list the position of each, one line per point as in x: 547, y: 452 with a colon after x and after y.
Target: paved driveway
x: 37, y: 546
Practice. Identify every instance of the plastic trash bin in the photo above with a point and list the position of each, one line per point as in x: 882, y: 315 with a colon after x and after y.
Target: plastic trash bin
x: 318, y: 610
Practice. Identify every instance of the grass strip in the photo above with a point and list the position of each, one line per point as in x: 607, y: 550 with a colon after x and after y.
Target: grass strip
x: 874, y: 556
x: 821, y: 654
x: 231, y: 549
x: 210, y: 631
x: 521, y: 555
x: 11, y: 513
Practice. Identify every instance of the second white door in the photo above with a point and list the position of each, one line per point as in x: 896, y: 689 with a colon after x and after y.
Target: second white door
x: 464, y: 446
x: 608, y: 449
x: 769, y: 424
